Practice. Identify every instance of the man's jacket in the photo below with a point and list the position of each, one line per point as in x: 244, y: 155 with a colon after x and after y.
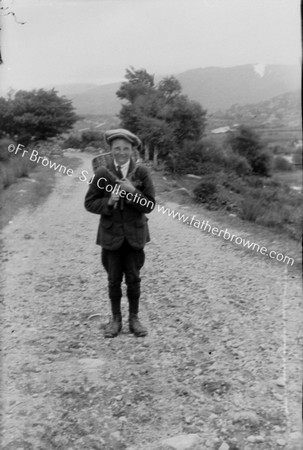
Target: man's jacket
x: 127, y: 219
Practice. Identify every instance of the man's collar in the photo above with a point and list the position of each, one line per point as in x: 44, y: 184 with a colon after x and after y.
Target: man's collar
x: 113, y: 165
x: 123, y: 166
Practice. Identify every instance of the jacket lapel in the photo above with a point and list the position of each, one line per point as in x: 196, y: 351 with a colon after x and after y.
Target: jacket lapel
x: 111, y: 166
x: 131, y: 166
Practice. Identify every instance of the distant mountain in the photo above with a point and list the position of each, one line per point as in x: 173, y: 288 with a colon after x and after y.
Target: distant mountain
x: 216, y: 88
x: 282, y: 110
x: 220, y: 88
x: 73, y: 89
x: 93, y: 99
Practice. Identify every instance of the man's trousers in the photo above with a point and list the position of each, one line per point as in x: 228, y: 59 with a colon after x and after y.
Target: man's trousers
x: 124, y: 261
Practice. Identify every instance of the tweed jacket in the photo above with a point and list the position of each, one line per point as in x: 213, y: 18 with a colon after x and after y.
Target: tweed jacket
x: 127, y: 219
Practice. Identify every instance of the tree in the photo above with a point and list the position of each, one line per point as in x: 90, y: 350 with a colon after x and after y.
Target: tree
x: 139, y: 83
x: 35, y: 115
x: 245, y: 142
x: 186, y: 118
x: 160, y: 114
x: 170, y: 87
x: 158, y: 137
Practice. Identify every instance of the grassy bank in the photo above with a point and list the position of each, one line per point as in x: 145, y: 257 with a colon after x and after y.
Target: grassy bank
x: 262, y: 200
x: 177, y: 193
x: 32, y: 188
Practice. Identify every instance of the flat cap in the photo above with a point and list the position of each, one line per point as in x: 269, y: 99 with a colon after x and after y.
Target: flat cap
x: 121, y: 133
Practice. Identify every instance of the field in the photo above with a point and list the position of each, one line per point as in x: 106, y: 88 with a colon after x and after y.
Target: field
x: 279, y: 136
x: 292, y: 179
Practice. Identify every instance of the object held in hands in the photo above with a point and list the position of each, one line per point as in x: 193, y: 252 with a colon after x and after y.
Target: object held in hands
x: 104, y: 159
x: 101, y: 160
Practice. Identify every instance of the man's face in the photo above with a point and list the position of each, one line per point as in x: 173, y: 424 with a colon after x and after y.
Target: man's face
x: 121, y: 151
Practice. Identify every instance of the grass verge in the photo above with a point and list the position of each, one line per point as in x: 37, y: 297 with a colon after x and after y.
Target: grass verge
x: 178, y: 195
x: 31, y: 189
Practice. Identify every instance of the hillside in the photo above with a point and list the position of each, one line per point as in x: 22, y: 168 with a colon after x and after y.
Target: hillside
x: 216, y: 88
x: 280, y: 111
x: 220, y: 88
x: 93, y: 100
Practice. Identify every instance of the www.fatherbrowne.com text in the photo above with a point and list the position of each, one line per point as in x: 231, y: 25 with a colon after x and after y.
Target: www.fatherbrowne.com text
x: 225, y: 234
x: 191, y: 221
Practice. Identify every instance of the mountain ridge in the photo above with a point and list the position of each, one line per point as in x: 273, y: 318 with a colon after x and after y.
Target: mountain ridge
x: 215, y: 88
x: 282, y: 110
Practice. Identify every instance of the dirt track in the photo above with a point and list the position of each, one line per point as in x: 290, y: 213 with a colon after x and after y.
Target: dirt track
x: 221, y: 362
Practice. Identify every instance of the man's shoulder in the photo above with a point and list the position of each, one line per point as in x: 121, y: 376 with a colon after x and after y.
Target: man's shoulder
x: 101, y: 171
x: 142, y: 171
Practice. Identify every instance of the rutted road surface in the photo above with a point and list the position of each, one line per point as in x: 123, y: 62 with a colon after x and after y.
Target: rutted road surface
x: 220, y: 368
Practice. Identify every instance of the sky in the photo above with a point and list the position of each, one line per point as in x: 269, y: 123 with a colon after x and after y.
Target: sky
x: 94, y: 41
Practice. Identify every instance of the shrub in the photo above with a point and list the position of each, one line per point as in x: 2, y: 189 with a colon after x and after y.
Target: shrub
x: 36, y: 115
x: 238, y: 164
x: 4, y: 153
x: 197, y: 158
x: 282, y: 164
x: 72, y: 141
x: 254, y: 181
x: 245, y: 142
x: 89, y: 136
x: 211, y: 152
x: 11, y: 170
x: 206, y: 190
x: 95, y: 144
x: 275, y: 217
x: 184, y: 161
x: 261, y: 164
x: 7, y: 175
x: 207, y: 168
x: 233, y: 182
x: 250, y: 209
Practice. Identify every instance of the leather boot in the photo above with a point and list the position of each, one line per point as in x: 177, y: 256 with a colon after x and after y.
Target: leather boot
x: 135, y: 326
x: 113, y: 328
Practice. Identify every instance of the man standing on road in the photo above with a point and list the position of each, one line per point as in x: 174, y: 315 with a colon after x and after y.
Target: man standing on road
x: 122, y: 193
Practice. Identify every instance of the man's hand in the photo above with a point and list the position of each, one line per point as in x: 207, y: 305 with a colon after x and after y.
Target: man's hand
x: 113, y: 199
x: 126, y: 185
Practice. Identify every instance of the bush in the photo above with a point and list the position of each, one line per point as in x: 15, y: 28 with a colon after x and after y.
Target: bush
x: 261, y: 164
x: 72, y: 141
x: 233, y: 182
x: 275, y: 217
x: 282, y: 164
x: 36, y: 115
x: 211, y: 152
x: 197, y: 158
x: 11, y: 170
x: 238, y: 164
x: 246, y: 143
x: 89, y: 136
x: 206, y: 168
x: 254, y: 182
x: 206, y: 190
x: 184, y: 161
x: 95, y: 144
x: 250, y: 209
x: 4, y: 153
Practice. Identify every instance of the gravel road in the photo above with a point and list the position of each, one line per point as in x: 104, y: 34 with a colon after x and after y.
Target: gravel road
x: 219, y: 369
